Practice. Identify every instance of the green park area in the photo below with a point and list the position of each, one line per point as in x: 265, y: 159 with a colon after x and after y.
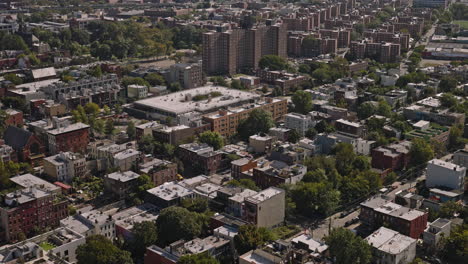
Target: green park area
x: 463, y: 23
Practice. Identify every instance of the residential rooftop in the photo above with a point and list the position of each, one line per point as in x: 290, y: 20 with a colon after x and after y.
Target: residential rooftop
x: 123, y: 176
x: 264, y: 195
x: 389, y: 241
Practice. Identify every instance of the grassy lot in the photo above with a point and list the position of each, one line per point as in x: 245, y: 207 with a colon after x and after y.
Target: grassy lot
x: 463, y: 23
x: 46, y: 246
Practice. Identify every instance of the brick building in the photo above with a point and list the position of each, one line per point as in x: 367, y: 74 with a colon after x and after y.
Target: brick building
x: 284, y: 80
x: 225, y: 122
x: 377, y: 211
x: 160, y: 171
x: 74, y: 138
x: 383, y: 52
x: 24, y: 210
x: 200, y: 157
x: 394, y: 156
x: 240, y: 50
x: 14, y: 118
x: 28, y: 147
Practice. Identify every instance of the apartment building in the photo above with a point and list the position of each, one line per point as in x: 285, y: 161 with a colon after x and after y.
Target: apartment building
x: 26, y: 209
x: 431, y: 3
x: 225, y: 122
x: 72, y: 137
x: 299, y: 122
x: 266, y: 208
x: 383, y: 52
x: 394, y: 156
x: 277, y: 173
x: 188, y: 75
x: 460, y: 157
x: 284, y: 80
x: 200, y: 157
x: 445, y: 174
x: 90, y: 223
x: 160, y: 171
x: 102, y: 91
x: 120, y: 184
x: 377, y: 211
x: 65, y: 166
x: 239, y: 50
x: 137, y: 91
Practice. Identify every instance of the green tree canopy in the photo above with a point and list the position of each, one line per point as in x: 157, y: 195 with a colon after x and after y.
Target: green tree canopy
x: 273, y: 63
x: 345, y: 247
x: 302, y: 101
x: 144, y: 235
x: 175, y: 223
x: 420, y: 152
x: 259, y: 121
x: 202, y: 258
x: 100, y: 250
x: 214, y: 139
x: 131, y: 130
x: 250, y: 237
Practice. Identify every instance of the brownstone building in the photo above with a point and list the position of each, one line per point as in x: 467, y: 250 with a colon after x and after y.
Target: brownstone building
x: 160, y: 171
x: 74, y: 138
x: 239, y: 50
x: 200, y: 158
x: 23, y: 211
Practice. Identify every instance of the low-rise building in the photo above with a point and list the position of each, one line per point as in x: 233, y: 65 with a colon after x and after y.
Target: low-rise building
x: 65, y: 166
x: 188, y: 75
x: 160, y: 171
x: 266, y: 208
x: 460, y: 157
x: 435, y: 232
x: 445, y: 174
x: 276, y: 173
x: 90, y: 223
x: 391, y: 247
x: 70, y: 137
x: 168, y: 194
x: 64, y: 243
x: 300, y: 123
x: 125, y: 160
x: 120, y: 184
x: 376, y: 211
x: 394, y: 156
x: 126, y: 219
x: 26, y: 209
x: 260, y: 144
x: 200, y: 157
x: 137, y: 91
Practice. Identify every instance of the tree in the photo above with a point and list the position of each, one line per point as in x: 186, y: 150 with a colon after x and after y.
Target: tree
x: 198, y: 205
x: 420, y: 152
x: 15, y: 79
x: 366, y: 110
x: 95, y: 71
x: 455, y: 248
x: 361, y: 163
x: 131, y: 130
x: 294, y: 136
x: 273, y: 63
x: 302, y: 102
x: 455, y: 138
x: 92, y: 109
x: 144, y: 235
x: 384, y: 109
x: 259, y: 121
x: 202, y: 258
x: 236, y: 84
x: 447, y: 84
x: 448, y: 100
x: 345, y: 247
x: 244, y: 183
x: 315, y: 198
x: 107, y: 110
x: 155, y: 79
x: 214, y: 139
x: 449, y: 209
x: 250, y: 237
x: 176, y: 223
x: 109, y: 128
x: 100, y: 250
x: 345, y: 156
x: 317, y: 175
x: 13, y: 42
x: 311, y: 133
x: 126, y: 81
x: 175, y: 87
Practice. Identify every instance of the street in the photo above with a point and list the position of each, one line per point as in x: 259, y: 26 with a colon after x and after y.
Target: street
x: 427, y: 36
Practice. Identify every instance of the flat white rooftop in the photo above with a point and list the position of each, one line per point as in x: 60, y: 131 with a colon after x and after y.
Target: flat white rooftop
x: 181, y: 102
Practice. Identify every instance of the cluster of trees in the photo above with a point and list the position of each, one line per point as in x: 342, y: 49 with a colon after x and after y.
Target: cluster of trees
x: 214, y: 139
x: 325, y: 72
x: 346, y: 247
x: 89, y: 115
x: 331, y: 182
x: 273, y: 63
x: 259, y: 121
x: 149, y: 145
x: 9, y: 169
